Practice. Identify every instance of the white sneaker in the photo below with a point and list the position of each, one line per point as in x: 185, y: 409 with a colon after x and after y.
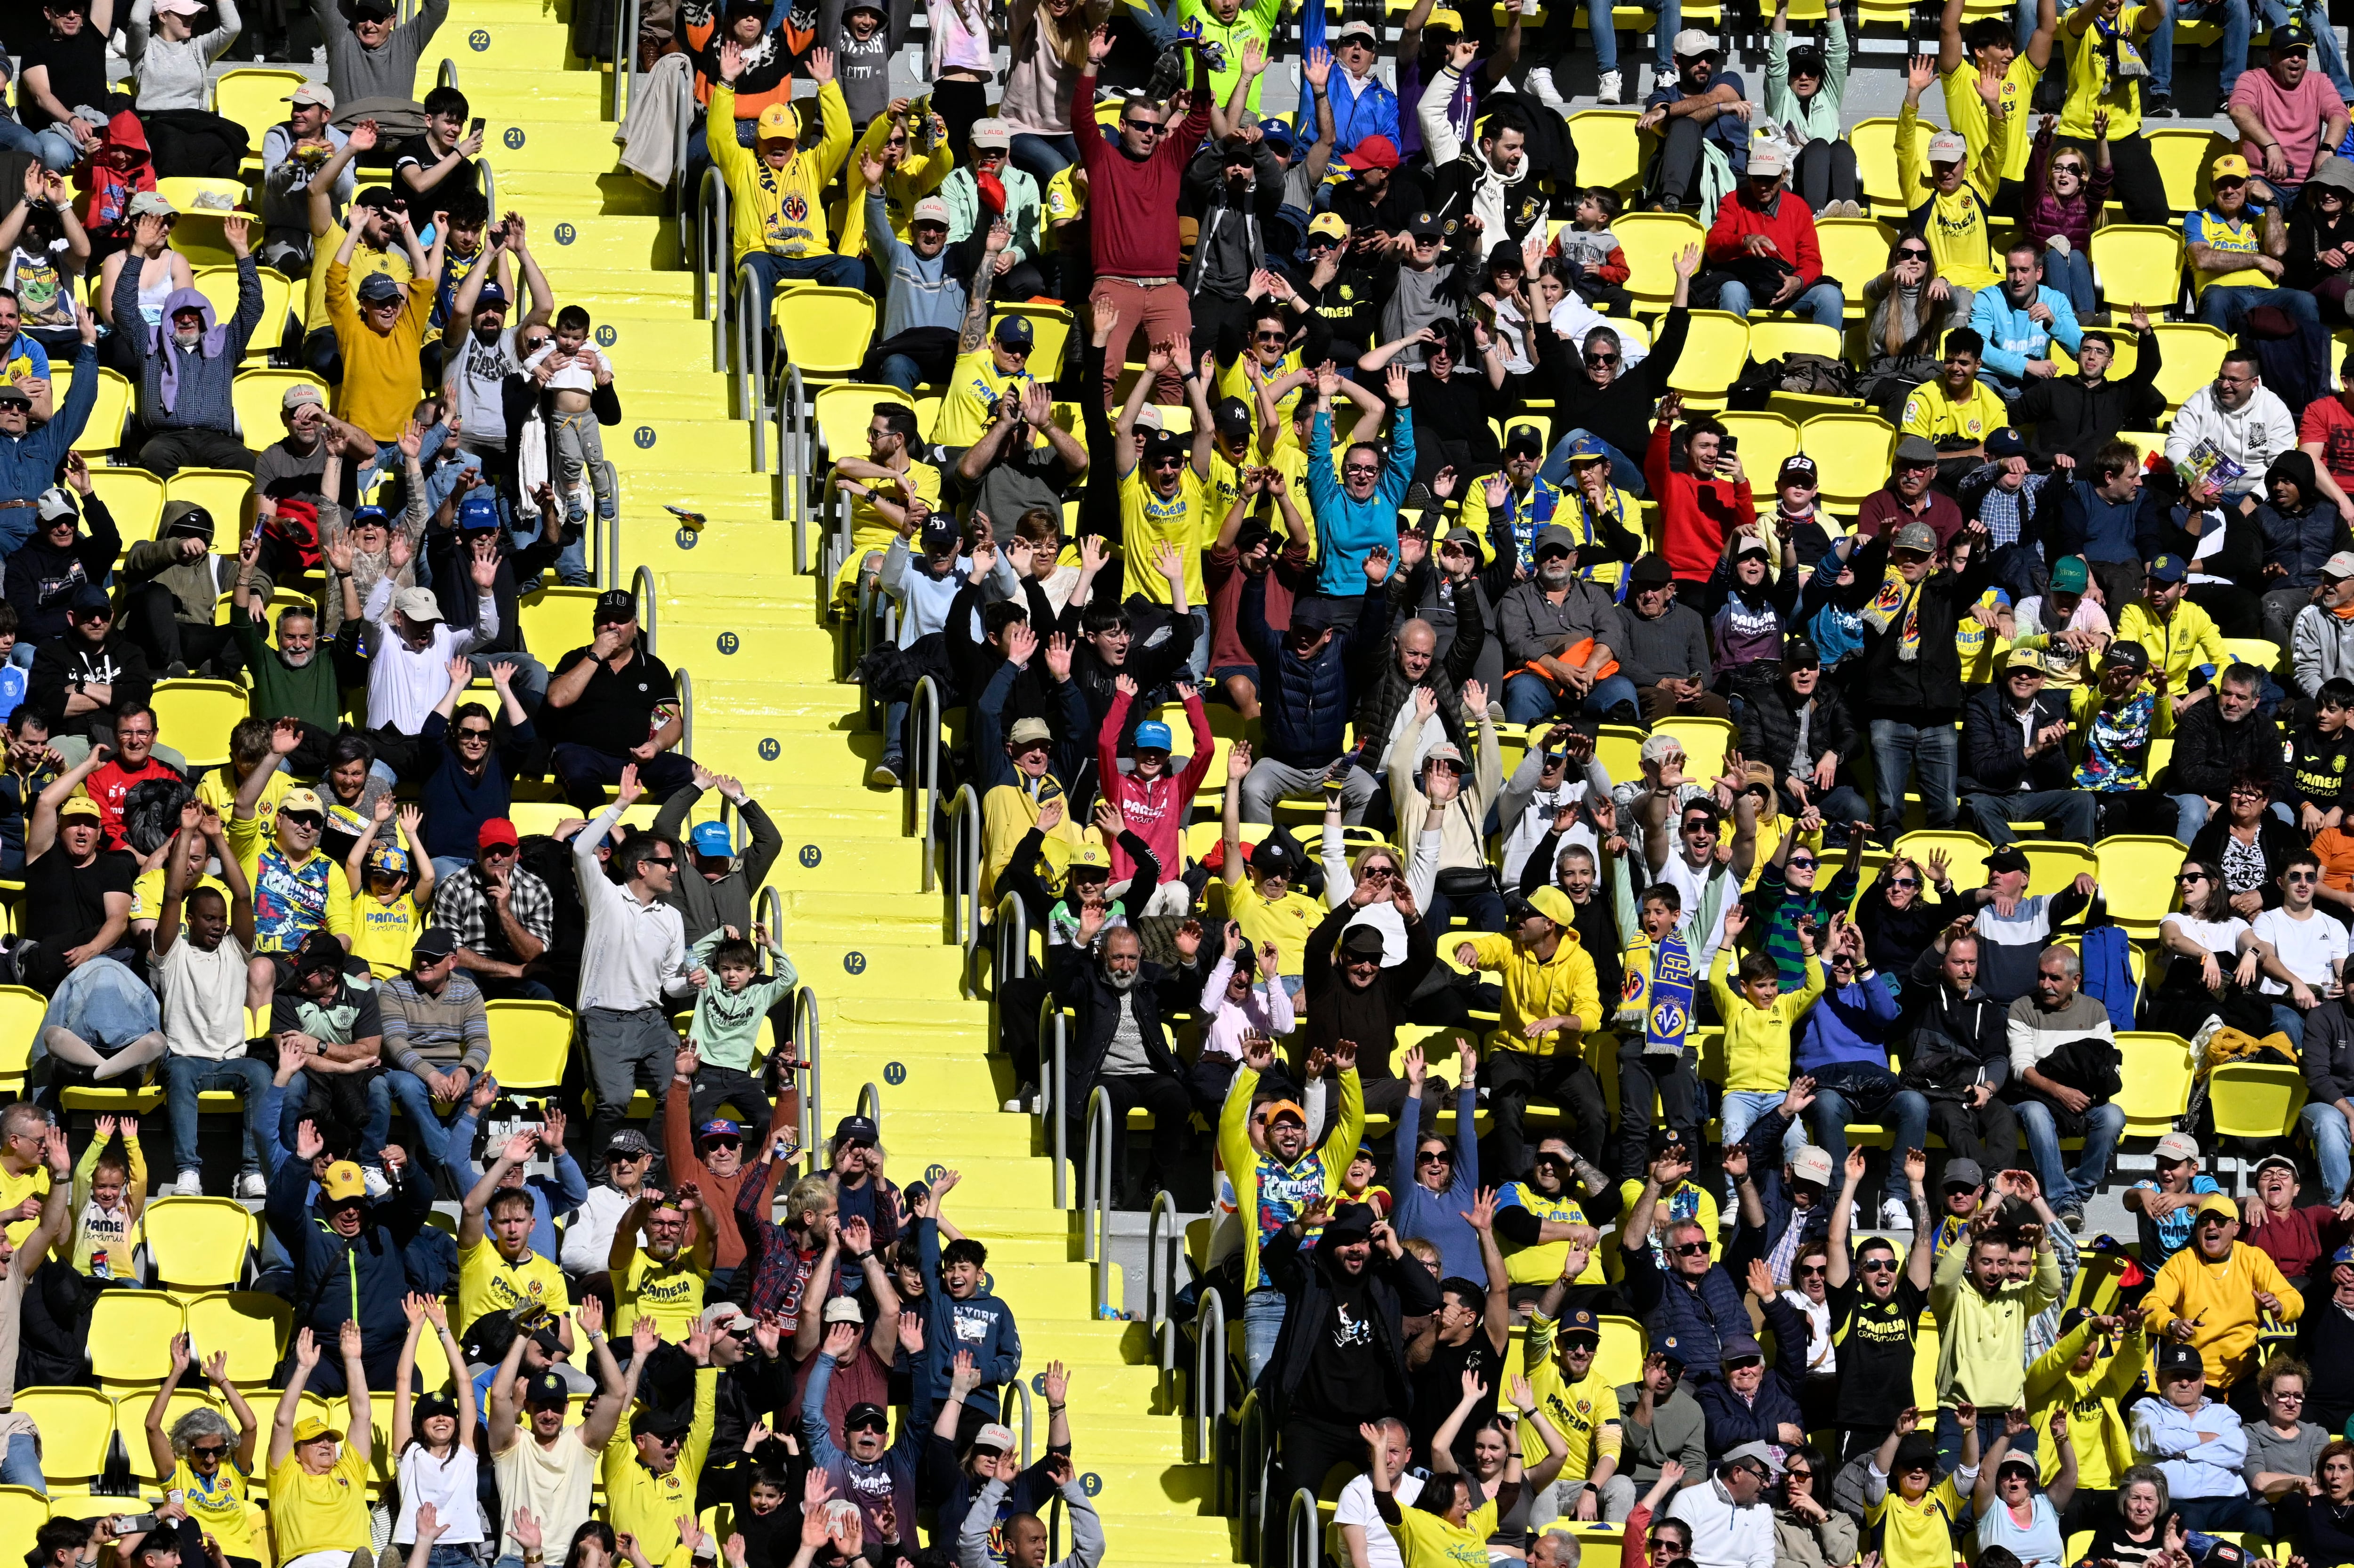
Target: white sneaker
x: 188, y: 1184
x: 1896, y: 1215
x: 2058, y: 243
x: 1540, y: 87
x: 372, y: 1178
x: 1607, y: 90
x: 251, y: 1185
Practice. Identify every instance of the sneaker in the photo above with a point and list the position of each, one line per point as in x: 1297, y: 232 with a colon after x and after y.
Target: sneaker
x: 2073, y: 1218
x: 2058, y: 244
x: 2157, y: 106
x: 886, y: 773
x: 250, y: 1184
x: 1541, y: 89
x: 1896, y: 1215
x: 372, y: 1178
x: 1854, y: 209
x: 189, y: 1184
x: 1607, y: 89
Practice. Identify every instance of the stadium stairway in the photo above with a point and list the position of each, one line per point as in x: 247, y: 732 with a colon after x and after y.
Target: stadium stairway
x: 728, y: 610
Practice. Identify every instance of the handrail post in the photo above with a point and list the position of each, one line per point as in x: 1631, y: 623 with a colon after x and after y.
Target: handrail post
x: 641, y: 588
x: 1059, y: 1132
x: 925, y: 705
x: 1160, y: 1290
x: 805, y: 1038
x: 686, y: 685
x: 446, y: 75
x: 1299, y: 1531
x: 1095, y: 1220
x: 1209, y: 1390
x: 870, y: 1104
x: 1005, y: 1414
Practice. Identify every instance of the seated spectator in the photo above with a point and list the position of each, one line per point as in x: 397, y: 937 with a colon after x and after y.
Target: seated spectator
x: 60, y: 559
x: 433, y: 171
x: 2223, y: 745
x: 1701, y: 505
x: 291, y: 155
x: 372, y: 62
x: 2243, y: 420
x: 1766, y: 250
x: 2320, y: 1522
x: 615, y: 706
x: 777, y: 186
x: 1955, y: 412
x: 2021, y: 320
x: 379, y: 325
x: 2015, y: 757
x: 2075, y: 417
x: 2303, y: 531
x: 2287, y: 117
x: 2299, y: 1240
x: 1911, y: 309
x: 77, y: 903
x: 2320, y: 224
x: 2063, y: 1056
x: 1116, y: 988
x: 1691, y: 105
x: 1962, y: 181
x: 203, y: 983
x: 173, y: 586
x: 1955, y: 1042
x: 2190, y: 1304
x: 1730, y: 1516
x: 2201, y: 1456
x: 334, y: 1230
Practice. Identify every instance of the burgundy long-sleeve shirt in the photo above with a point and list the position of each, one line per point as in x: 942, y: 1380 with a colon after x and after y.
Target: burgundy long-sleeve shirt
x: 1132, y: 202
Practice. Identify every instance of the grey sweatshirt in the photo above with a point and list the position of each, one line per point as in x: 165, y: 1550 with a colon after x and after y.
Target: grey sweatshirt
x: 387, y: 71
x: 1087, y: 1530
x: 172, y: 74
x: 286, y: 181
x: 201, y: 401
x: 920, y: 294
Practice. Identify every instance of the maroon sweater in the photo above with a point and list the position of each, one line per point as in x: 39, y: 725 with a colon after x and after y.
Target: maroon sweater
x: 1132, y: 204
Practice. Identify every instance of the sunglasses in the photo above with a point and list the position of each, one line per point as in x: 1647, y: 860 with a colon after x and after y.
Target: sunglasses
x: 1690, y: 1249
x: 1904, y: 882
x: 301, y: 818
x: 868, y: 1423
x: 1142, y: 127
x: 1911, y: 253
x: 2190, y: 876
x: 472, y: 732
x: 221, y: 1450
x: 1434, y: 1156
x: 1807, y: 1270
x: 663, y: 860
x: 1601, y: 359
x: 1272, y: 336
x: 2305, y: 876
x: 1745, y: 1364
x: 1802, y: 863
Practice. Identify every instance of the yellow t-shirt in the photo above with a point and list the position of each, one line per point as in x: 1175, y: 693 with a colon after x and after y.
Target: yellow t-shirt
x: 1966, y: 111
x: 1584, y: 1413
x: 219, y: 1508
x: 487, y: 1282
x: 1917, y: 1535
x: 974, y: 387
x: 670, y: 1293
x: 215, y: 789
x: 1147, y: 519
x: 2092, y: 86
x: 1063, y: 203
x: 1427, y: 1540
x: 640, y: 1503
x: 1934, y: 413
x: 386, y: 934
x: 33, y: 1183
x: 147, y: 893
x: 1244, y: 376
x: 1286, y: 922
x: 319, y: 1513
x: 365, y: 260
x: 2240, y: 235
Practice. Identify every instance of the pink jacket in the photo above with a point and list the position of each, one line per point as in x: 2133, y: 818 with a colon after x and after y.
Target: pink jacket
x: 1155, y: 809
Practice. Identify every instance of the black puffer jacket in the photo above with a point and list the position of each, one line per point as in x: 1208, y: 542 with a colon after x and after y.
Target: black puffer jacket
x: 1769, y: 726
x: 1387, y: 688
x: 2208, y: 750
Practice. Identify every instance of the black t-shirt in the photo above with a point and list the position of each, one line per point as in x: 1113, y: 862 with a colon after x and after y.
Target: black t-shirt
x: 77, y: 75
x: 418, y: 153
x: 1345, y: 1380
x: 1439, y: 1389
x: 1875, y: 1351
x: 65, y: 904
x: 617, y: 710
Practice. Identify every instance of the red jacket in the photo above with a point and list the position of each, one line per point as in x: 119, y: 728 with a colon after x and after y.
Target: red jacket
x: 1156, y: 809
x: 1696, y: 514
x: 1789, y: 226
x: 1132, y: 204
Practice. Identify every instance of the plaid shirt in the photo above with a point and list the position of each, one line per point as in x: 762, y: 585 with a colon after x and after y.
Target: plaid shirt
x: 462, y: 903
x: 2003, y: 512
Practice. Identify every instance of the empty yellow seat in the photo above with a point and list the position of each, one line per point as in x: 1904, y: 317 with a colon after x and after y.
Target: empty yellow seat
x: 198, y: 1244
x: 530, y: 1042
x: 1851, y: 453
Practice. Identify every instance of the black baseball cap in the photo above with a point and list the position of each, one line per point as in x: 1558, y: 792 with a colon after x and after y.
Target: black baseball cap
x: 615, y: 607
x: 856, y: 1129
x: 547, y: 1388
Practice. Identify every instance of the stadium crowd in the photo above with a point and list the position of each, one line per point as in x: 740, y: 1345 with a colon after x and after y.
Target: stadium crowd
x: 1525, y: 699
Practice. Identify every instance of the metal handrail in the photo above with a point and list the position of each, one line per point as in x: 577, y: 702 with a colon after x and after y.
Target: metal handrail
x: 609, y: 555
x: 964, y: 887
x: 625, y: 57
x: 1012, y: 930
x: 490, y: 174
x: 928, y: 709
x: 1251, y: 1446
x: 1209, y: 1386
x: 641, y: 588
x: 805, y: 1039
x: 870, y: 1104
x: 686, y: 685
x: 1095, y: 1180
x: 752, y: 362
x: 1059, y: 1126
x: 1005, y: 1414
x: 1300, y: 1527
x: 447, y: 76
x: 714, y: 242
x: 1160, y: 1284
x: 792, y: 461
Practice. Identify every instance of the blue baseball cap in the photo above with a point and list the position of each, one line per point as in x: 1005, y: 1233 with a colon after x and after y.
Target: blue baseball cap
x: 1585, y: 449
x: 2168, y: 568
x: 369, y: 512
x: 1153, y: 734
x: 720, y: 1127
x: 477, y: 513
x: 712, y: 839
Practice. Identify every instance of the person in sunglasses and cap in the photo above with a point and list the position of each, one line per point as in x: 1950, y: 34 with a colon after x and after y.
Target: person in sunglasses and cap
x: 76, y: 545
x: 171, y: 585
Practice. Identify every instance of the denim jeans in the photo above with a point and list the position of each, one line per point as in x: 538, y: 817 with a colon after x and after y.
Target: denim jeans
x: 2333, y: 1145
x: 2064, y: 1187
x: 1530, y: 698
x: 2228, y: 305
x: 1950, y: 1436
x: 1626, y: 472
x: 2238, y: 27
x: 21, y: 1465
x: 2073, y: 275
x: 1923, y: 755
x: 1842, y: 1090
x: 1043, y: 157
x: 901, y: 372
x: 2066, y: 813
x: 185, y: 1078
x: 775, y: 272
x: 1823, y: 304
x: 1262, y: 1324
x: 1744, y: 1108
x: 1671, y: 22
x: 55, y: 149
x: 2289, y: 1021
x: 2326, y: 54
x: 430, y: 1133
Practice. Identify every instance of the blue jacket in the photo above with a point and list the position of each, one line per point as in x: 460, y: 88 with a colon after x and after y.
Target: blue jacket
x: 1347, y: 528
x: 1848, y: 1023
x: 365, y: 1278
x: 2011, y: 340
x: 1357, y: 111
x: 1437, y: 1217
x: 1695, y: 1319
x: 29, y: 463
x: 1309, y: 700
x: 980, y: 1324
x: 1732, y: 1420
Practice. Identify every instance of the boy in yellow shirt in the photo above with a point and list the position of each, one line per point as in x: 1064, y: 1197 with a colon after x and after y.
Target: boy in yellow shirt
x: 1759, y: 1018
x: 388, y: 906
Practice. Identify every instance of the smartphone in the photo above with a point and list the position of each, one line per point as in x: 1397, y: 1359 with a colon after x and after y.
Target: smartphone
x: 134, y: 1524
x: 1730, y: 445
x: 476, y: 128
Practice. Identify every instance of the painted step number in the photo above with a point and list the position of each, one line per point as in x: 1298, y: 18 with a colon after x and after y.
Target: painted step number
x: 513, y: 137
x: 895, y: 1073
x: 643, y: 435
x: 607, y: 337
x: 810, y: 855
x: 854, y: 963
x: 769, y: 752
x: 727, y: 644
x: 566, y: 234
x: 1091, y: 1483
x: 479, y: 39
x: 686, y: 538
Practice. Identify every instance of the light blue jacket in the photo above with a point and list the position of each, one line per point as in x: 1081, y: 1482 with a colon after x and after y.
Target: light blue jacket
x: 1023, y: 208
x: 2169, y: 1435
x: 1348, y: 528
x: 2011, y: 339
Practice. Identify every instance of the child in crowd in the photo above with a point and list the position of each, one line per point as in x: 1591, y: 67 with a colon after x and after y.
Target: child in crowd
x: 1593, y: 262
x: 1759, y: 1019
x: 2315, y: 784
x: 110, y: 1196
x: 958, y: 1316
x: 727, y: 1023
x: 392, y: 888
x: 570, y: 372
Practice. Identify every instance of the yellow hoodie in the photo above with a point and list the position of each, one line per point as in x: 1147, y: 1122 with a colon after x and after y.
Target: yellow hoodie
x: 1757, y: 1039
x: 2222, y: 1295
x: 1982, y: 1339
x: 1563, y: 986
x: 781, y: 211
x: 2097, y: 1427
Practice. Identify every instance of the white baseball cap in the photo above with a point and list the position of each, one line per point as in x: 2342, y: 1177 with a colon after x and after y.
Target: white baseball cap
x: 1691, y: 43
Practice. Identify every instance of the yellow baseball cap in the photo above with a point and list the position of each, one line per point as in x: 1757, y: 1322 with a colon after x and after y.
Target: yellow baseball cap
x: 80, y: 804
x: 341, y: 1181
x: 1329, y: 223
x: 311, y: 1428
x: 2230, y: 166
x: 1445, y: 16
x: 779, y: 123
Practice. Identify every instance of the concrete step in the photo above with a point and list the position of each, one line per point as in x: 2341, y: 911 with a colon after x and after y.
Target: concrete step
x: 574, y: 229
x: 492, y: 43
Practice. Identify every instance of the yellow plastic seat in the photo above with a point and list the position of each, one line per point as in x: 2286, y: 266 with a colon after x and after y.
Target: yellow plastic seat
x: 1787, y: 335
x: 1851, y: 453
x: 223, y: 492
x: 76, y: 1426
x: 1652, y: 241
x: 1874, y: 140
x: 556, y: 621
x: 1963, y: 851
x: 530, y: 1042
x: 2189, y: 355
x: 824, y: 330
x: 198, y: 1244
x: 2255, y: 1099
x: 1609, y: 148
x: 22, y: 1511
x: 134, y: 497
x: 1714, y: 354
x: 1541, y: 423
x: 1705, y: 741
x: 1620, y: 749
x: 259, y: 396
x: 130, y: 1337
x: 255, y: 98
x: 2263, y: 653
x: 218, y: 284
x: 195, y: 717
x: 2137, y: 872
x: 1766, y: 440
x: 2157, y: 1076
x: 184, y: 192
x: 252, y: 1327
x: 2054, y: 863
x: 2138, y: 265
x: 841, y: 413
x: 1855, y: 251
x: 103, y: 433
x: 2184, y: 154
x: 131, y: 1422
x: 21, y: 1012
